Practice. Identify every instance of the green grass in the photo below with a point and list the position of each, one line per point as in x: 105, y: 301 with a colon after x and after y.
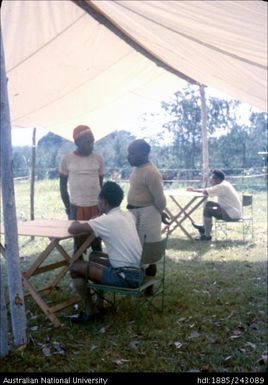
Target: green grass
x: 215, y: 308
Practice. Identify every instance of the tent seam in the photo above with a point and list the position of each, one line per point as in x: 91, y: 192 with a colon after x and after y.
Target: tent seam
x: 195, y: 39
x: 44, y: 45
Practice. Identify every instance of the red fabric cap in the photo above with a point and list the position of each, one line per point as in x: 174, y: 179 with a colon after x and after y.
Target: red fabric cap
x: 80, y: 130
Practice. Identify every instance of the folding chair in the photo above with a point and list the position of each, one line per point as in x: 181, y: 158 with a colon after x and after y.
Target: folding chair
x: 152, y: 253
x: 246, y: 220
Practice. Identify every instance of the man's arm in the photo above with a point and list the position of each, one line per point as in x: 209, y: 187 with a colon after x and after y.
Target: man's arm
x: 154, y: 184
x: 77, y: 227
x: 64, y: 193
x: 157, y: 192
x: 199, y: 190
x: 101, y: 180
x: 101, y: 170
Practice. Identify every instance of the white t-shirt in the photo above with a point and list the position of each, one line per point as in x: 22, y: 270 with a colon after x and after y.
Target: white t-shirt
x: 83, y: 176
x: 228, y: 198
x: 118, y: 231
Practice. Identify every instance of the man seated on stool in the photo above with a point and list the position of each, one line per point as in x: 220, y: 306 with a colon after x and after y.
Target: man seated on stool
x: 228, y: 207
x: 121, y: 266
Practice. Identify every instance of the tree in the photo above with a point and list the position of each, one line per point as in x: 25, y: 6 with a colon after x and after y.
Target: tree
x: 21, y: 161
x: 232, y: 148
x: 113, y: 149
x: 239, y: 146
x: 258, y: 136
x: 230, y: 137
x: 185, y: 125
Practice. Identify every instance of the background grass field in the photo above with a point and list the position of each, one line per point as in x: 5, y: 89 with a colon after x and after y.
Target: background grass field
x: 215, y: 307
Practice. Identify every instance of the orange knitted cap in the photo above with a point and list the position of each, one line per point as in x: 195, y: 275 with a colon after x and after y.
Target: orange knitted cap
x: 80, y: 130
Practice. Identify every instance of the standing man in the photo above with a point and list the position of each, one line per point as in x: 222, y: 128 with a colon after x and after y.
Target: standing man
x: 146, y: 199
x: 83, y: 170
x: 228, y: 206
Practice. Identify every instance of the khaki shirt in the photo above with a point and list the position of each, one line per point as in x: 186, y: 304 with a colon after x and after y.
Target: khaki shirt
x: 146, y: 187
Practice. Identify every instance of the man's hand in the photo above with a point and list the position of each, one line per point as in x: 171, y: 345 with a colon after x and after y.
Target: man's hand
x: 76, y: 227
x: 165, y: 218
x: 198, y: 190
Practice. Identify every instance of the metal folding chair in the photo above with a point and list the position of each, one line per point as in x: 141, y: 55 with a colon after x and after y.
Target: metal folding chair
x: 221, y: 226
x: 152, y: 253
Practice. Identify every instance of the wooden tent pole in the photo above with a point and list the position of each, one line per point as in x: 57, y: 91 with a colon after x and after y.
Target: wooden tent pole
x: 204, y: 135
x: 16, y: 297
x: 3, y: 318
x: 33, y: 173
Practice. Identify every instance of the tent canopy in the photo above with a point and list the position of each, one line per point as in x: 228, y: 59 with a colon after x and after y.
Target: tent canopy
x: 97, y: 62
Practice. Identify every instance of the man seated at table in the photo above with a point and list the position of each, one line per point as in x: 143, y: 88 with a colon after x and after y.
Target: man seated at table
x: 228, y: 207
x: 121, y: 265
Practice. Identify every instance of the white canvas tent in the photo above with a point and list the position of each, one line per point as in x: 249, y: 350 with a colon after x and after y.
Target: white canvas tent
x: 72, y: 62
x: 96, y: 62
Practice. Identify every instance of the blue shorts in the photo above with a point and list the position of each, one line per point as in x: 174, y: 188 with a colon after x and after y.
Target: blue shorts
x: 129, y: 277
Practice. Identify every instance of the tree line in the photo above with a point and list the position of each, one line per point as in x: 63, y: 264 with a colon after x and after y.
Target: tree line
x: 235, y: 137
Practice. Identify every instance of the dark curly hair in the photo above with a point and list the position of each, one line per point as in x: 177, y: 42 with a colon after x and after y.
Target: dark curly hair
x: 112, y: 193
x: 218, y: 174
x: 143, y: 146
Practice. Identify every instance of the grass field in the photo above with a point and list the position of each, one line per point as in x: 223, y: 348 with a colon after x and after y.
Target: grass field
x: 215, y: 308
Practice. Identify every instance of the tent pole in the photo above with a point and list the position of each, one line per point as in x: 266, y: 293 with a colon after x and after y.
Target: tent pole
x: 204, y: 135
x: 16, y: 296
x: 3, y: 317
x: 33, y: 175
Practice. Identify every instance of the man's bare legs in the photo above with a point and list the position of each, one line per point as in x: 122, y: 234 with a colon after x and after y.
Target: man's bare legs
x: 82, y: 271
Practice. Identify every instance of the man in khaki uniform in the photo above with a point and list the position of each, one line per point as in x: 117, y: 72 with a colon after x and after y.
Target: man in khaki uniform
x: 146, y: 199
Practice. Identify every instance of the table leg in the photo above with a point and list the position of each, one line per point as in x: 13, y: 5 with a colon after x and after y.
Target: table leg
x: 36, y: 269
x: 184, y: 209
x: 177, y: 224
x: 40, y: 259
x: 40, y: 302
x: 61, y: 250
x: 174, y: 220
x: 183, y: 212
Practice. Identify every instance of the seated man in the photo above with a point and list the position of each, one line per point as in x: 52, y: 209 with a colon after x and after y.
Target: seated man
x: 117, y: 229
x: 227, y: 208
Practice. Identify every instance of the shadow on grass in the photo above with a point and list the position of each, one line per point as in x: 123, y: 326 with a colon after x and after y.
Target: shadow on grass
x: 207, y: 304
x: 187, y: 244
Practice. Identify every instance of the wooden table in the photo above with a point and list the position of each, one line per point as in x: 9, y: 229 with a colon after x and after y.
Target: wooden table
x: 56, y: 231
x: 183, y: 210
